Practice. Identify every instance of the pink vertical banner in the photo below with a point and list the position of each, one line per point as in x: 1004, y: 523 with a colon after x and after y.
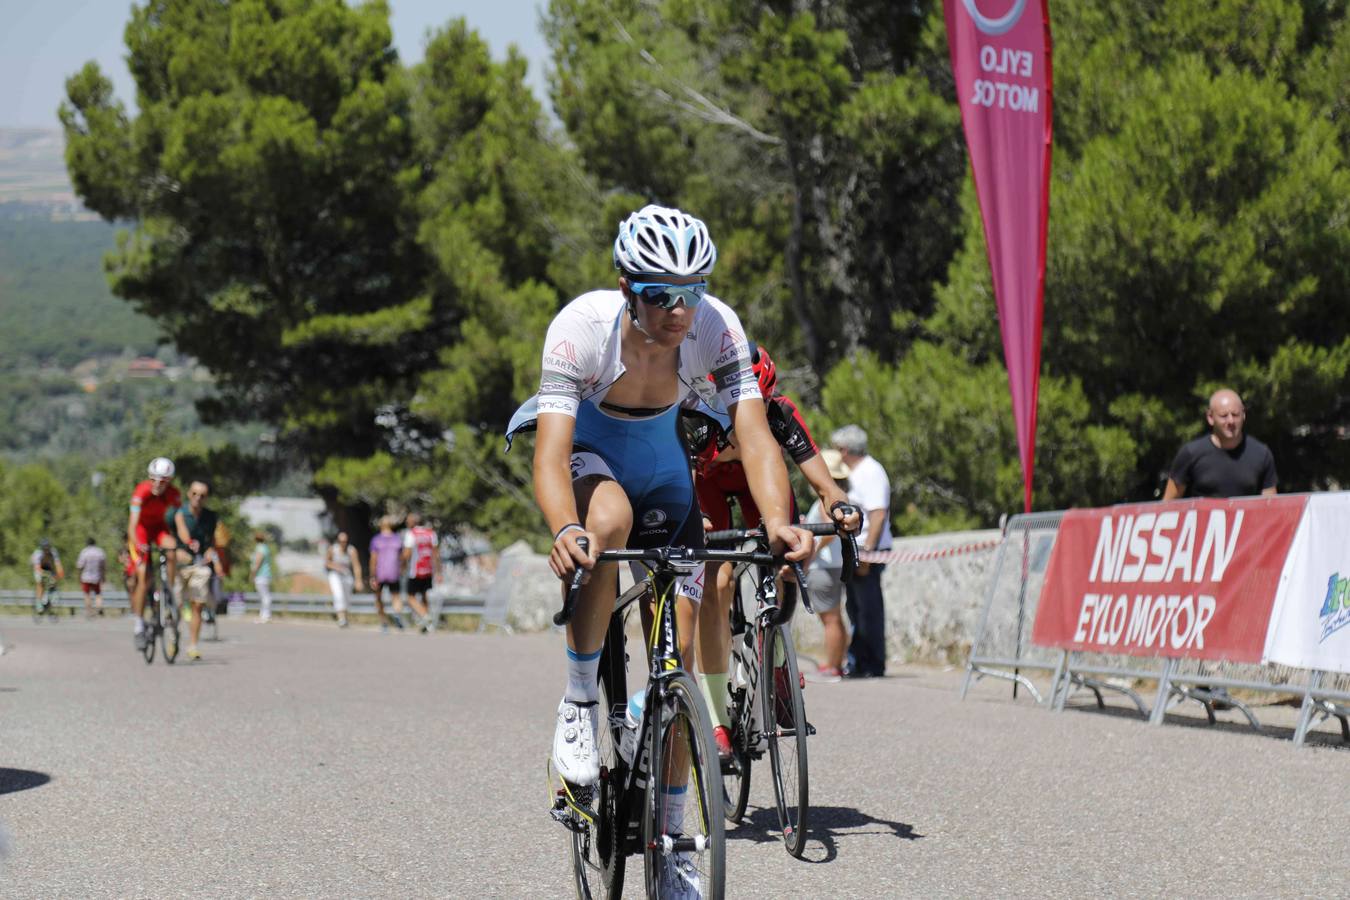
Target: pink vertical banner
x: 1001, y: 59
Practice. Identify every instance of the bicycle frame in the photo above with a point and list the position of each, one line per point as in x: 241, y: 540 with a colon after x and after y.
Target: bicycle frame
x: 663, y: 565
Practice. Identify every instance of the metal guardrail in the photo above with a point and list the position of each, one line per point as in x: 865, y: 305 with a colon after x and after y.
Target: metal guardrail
x: 304, y: 604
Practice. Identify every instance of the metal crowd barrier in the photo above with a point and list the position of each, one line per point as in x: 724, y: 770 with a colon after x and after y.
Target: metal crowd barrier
x: 1002, y: 649
x: 490, y: 606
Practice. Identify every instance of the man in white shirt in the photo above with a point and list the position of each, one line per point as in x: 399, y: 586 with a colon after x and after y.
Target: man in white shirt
x: 870, y: 491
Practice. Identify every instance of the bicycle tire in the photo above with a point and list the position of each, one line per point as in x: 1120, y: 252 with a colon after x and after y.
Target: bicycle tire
x: 598, y: 854
x: 683, y: 729
x: 168, y: 629
x: 744, y: 733
x: 783, y: 715
x: 151, y: 632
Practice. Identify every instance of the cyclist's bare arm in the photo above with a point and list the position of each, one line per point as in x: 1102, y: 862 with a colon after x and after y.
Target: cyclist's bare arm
x: 818, y: 474
x: 767, y: 476
x: 132, y: 521
x: 553, y: 492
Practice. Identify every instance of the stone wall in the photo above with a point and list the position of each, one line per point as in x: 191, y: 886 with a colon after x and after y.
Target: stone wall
x: 932, y: 605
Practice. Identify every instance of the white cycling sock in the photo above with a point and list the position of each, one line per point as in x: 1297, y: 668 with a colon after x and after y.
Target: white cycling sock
x: 137, y: 625
x: 673, y: 796
x: 714, y: 685
x: 583, y: 676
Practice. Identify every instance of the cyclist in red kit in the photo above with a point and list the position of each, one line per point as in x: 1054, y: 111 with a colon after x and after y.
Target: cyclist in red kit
x: 152, y: 503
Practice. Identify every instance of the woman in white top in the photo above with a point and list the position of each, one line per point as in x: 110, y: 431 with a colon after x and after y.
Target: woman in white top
x: 344, y: 571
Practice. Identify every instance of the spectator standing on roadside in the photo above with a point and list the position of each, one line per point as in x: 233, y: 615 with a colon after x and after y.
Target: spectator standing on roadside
x: 386, y: 563
x: 824, y: 579
x: 1226, y: 462
x: 93, y: 566
x: 260, y: 573
x: 870, y: 491
x: 195, y: 527
x: 344, y: 573
x: 419, y: 554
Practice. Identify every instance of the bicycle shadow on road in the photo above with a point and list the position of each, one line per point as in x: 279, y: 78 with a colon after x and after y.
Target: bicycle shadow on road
x: 14, y: 780
x: 827, y: 824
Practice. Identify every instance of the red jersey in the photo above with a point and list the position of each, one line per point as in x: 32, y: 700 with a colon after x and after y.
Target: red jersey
x: 422, y: 541
x: 154, y: 510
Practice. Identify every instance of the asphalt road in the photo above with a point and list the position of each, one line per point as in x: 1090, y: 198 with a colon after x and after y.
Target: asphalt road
x: 297, y: 760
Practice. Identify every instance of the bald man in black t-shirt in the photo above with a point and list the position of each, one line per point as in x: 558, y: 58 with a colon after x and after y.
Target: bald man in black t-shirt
x: 1224, y: 463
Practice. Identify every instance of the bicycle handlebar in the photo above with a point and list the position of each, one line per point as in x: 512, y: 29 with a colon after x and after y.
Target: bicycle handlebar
x: 669, y: 556
x: 849, y: 541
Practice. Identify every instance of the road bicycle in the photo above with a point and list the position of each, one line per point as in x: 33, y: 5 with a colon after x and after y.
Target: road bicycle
x: 46, y: 604
x: 672, y: 751
x: 767, y: 711
x: 160, y: 611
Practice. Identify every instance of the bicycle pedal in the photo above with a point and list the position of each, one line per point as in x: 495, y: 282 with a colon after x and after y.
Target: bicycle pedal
x: 562, y: 814
x: 810, y: 729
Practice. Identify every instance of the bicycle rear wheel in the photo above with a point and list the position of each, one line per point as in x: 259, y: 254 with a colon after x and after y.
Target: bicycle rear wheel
x: 744, y: 730
x: 683, y: 833
x: 598, y: 853
x: 784, y: 722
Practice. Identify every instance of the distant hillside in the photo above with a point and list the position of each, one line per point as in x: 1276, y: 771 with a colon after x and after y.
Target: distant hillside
x: 54, y: 297
x: 33, y: 171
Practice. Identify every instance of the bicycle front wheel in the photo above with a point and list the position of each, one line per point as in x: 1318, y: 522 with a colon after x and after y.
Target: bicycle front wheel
x: 168, y: 627
x: 683, y: 833
x: 598, y: 853
x: 784, y: 722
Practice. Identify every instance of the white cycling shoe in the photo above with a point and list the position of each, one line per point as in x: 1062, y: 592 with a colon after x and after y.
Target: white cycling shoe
x: 575, y: 754
x: 679, y: 878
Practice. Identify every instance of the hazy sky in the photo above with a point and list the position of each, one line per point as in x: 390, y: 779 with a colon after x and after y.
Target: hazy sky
x: 42, y: 42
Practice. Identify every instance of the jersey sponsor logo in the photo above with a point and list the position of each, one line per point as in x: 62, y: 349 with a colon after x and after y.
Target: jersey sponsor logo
x: 566, y: 351
x: 560, y: 364
x: 653, y: 518
x: 732, y: 339
x: 566, y: 406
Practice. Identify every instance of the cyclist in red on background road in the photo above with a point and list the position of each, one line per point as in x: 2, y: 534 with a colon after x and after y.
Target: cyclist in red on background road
x: 148, y: 524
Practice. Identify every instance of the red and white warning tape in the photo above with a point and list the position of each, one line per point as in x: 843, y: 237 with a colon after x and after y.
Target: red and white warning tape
x: 900, y: 556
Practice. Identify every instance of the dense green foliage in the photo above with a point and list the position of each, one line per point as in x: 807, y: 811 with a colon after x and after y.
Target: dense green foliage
x: 366, y: 255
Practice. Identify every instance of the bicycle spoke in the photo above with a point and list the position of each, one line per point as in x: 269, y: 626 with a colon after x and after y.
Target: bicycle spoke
x: 683, y: 833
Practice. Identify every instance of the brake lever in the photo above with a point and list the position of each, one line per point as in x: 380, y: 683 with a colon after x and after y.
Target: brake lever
x: 848, y: 540
x: 801, y: 583
x: 563, y: 615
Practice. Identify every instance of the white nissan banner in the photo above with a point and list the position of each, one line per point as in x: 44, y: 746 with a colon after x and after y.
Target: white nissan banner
x: 1310, y: 621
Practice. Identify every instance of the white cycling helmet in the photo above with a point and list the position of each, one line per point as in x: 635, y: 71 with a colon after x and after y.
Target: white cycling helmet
x: 658, y: 240
x: 160, y: 467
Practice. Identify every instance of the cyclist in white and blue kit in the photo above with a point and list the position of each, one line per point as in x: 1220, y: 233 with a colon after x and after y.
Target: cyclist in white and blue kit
x: 609, y: 461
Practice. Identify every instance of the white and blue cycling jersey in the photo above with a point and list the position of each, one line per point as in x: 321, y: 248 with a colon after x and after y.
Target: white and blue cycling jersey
x: 644, y: 453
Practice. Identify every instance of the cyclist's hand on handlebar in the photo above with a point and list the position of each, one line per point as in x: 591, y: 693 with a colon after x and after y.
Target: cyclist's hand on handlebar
x: 566, y: 555
x: 707, y: 524
x: 797, y: 543
x: 846, y: 515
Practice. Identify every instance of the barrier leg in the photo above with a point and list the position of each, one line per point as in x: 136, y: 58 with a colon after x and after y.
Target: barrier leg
x: 1059, y: 690
x: 1306, y: 710
x: 1164, y: 688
